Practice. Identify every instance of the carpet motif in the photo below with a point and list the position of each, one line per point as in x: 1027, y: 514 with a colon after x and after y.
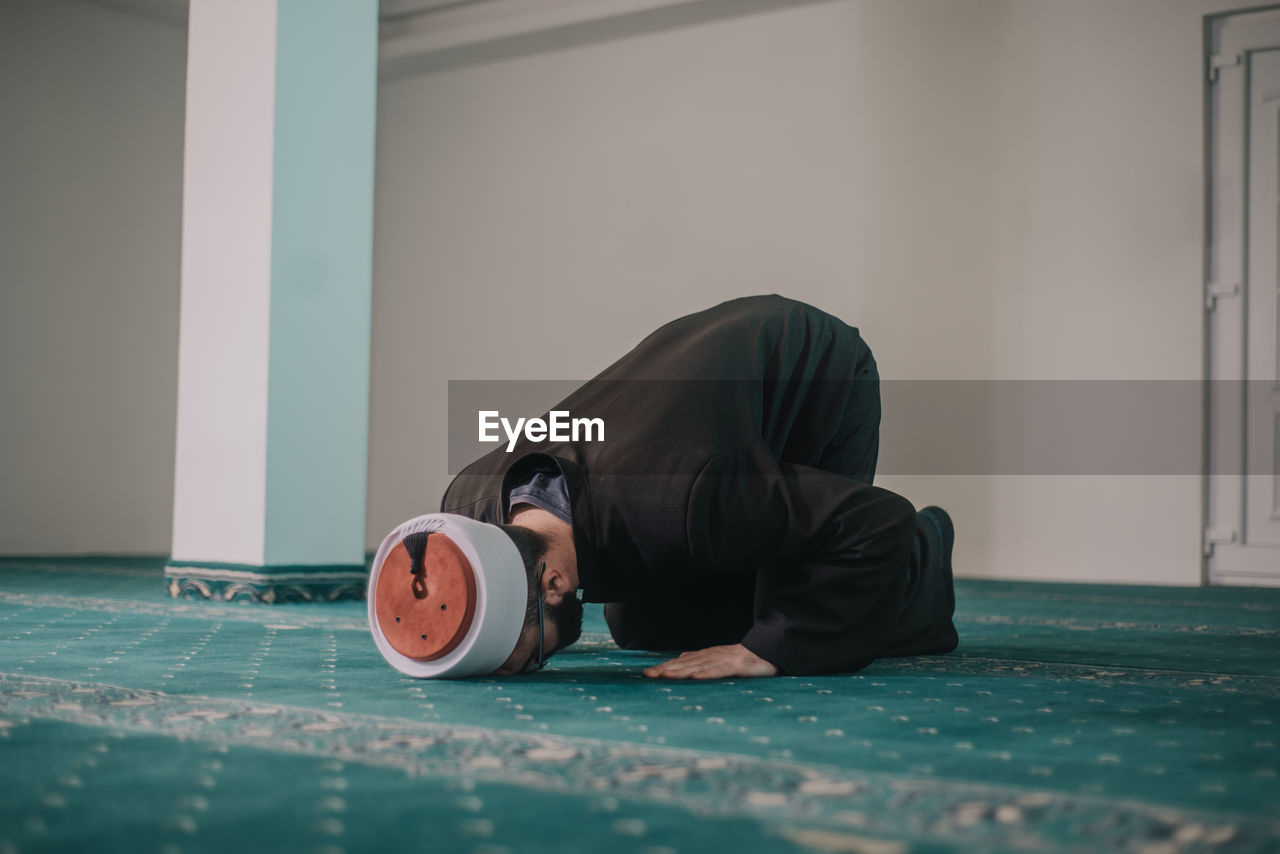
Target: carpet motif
x: 705, y: 783
x: 1071, y: 718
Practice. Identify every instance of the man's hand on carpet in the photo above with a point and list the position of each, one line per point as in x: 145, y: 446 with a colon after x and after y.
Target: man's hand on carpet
x: 715, y: 662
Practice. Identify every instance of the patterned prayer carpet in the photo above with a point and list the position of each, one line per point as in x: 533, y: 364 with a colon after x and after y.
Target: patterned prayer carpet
x: 1072, y: 718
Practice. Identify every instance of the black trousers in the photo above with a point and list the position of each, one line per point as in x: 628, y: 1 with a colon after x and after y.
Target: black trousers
x: 713, y: 610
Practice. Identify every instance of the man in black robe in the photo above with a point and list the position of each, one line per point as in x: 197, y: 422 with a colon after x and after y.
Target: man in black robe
x: 729, y: 511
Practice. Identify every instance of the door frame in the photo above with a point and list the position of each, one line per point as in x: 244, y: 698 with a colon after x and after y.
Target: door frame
x: 1229, y: 38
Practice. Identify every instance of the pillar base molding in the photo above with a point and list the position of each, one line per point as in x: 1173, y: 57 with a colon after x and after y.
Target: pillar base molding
x: 269, y: 585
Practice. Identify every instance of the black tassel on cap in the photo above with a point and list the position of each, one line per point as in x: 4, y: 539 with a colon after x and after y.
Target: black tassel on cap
x: 416, y: 546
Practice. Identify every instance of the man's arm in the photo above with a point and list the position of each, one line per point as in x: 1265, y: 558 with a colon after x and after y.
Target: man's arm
x: 832, y: 555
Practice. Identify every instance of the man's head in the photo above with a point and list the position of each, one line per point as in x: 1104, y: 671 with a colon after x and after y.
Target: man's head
x: 452, y: 596
x: 551, y: 590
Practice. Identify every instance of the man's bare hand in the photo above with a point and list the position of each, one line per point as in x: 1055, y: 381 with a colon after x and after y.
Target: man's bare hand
x: 715, y: 662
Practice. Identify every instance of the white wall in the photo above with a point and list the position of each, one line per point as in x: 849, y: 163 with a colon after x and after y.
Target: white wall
x: 91, y: 101
x: 1095, y: 271
x: 988, y: 189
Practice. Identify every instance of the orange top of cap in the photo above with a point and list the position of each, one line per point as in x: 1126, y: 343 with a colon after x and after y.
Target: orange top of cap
x: 425, y: 606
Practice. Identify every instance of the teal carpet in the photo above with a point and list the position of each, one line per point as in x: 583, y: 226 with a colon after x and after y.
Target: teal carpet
x: 1071, y: 718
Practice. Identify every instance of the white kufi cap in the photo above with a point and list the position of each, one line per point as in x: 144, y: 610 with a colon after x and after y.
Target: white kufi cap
x: 447, y: 597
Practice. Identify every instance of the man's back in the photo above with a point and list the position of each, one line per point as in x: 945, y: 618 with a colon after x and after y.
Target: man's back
x: 754, y: 369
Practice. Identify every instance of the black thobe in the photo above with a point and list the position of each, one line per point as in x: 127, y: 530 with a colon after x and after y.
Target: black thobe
x: 731, y: 499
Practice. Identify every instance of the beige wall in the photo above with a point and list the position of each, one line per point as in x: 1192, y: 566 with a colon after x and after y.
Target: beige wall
x: 987, y: 189
x: 91, y: 101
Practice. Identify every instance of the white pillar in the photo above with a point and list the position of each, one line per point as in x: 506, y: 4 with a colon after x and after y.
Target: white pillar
x: 273, y: 377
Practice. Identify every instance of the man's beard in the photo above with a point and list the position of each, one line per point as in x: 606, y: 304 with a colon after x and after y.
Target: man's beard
x: 566, y: 616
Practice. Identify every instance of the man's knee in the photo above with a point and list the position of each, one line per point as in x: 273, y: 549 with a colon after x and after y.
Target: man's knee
x: 615, y: 615
x: 668, y: 626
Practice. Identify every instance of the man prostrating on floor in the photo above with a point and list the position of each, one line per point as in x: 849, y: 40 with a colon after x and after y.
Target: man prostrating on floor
x: 727, y: 511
